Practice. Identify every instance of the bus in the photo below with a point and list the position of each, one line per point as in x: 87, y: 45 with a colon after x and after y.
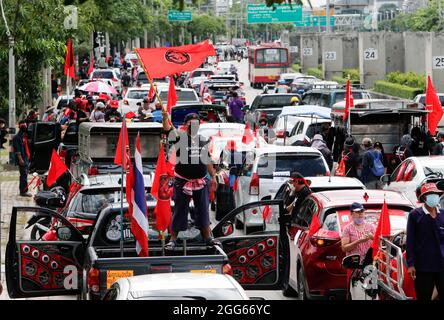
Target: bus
x: 266, y: 63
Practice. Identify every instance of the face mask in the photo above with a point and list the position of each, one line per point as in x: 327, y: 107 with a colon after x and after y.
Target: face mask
x: 432, y: 200
x: 358, y: 221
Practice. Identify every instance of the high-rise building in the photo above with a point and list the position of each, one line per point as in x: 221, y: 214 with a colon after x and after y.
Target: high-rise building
x: 221, y: 7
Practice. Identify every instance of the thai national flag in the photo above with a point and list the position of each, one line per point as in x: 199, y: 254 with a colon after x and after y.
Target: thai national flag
x: 138, y: 208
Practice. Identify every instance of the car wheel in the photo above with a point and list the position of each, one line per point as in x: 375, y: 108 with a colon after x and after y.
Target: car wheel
x: 301, y: 286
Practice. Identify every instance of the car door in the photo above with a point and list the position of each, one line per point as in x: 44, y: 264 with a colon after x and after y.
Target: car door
x: 43, y: 138
x: 242, y: 193
x: 43, y: 268
x: 257, y: 259
x: 396, y: 178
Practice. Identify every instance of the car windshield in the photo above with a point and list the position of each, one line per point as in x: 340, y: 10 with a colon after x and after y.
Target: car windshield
x: 139, y: 94
x: 181, y: 95
x: 93, y: 201
x: 340, y: 96
x: 431, y: 171
x: 307, y: 165
x: 275, y: 101
x: 281, y: 123
x: 103, y: 74
x: 191, y: 293
x: 422, y: 100
x: 201, y: 73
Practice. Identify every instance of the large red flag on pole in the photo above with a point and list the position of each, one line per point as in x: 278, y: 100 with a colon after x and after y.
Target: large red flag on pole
x: 433, y: 104
x: 118, y: 157
x: 161, y: 192
x: 70, y: 71
x: 91, y: 66
x: 162, y: 62
x: 348, y: 100
x: 56, y: 169
x: 383, y: 228
x: 172, y: 96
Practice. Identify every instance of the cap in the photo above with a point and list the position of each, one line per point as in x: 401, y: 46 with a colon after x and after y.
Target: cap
x: 295, y: 175
x: 104, y: 97
x: 100, y: 105
x: 427, y: 188
x: 356, y: 207
x: 349, y: 142
x: 191, y: 116
x: 130, y: 115
x: 294, y: 99
x: 114, y: 104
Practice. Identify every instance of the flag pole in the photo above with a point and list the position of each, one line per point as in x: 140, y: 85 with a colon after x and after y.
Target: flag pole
x: 121, y: 185
x: 162, y: 234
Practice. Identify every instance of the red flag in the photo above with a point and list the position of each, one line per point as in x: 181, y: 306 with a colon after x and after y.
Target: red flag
x: 161, y: 192
x: 248, y: 135
x: 129, y: 188
x: 171, y: 164
x: 118, y: 157
x: 56, y: 168
x: 434, y: 106
x: 348, y: 100
x: 91, y: 66
x: 162, y: 62
x: 172, y: 97
x: 383, y: 228
x: 69, y: 61
x: 266, y: 214
x: 151, y: 93
x: 315, y: 225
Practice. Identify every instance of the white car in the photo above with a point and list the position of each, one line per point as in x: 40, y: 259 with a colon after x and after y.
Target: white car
x: 420, y: 98
x: 107, y: 74
x: 223, y: 67
x: 177, y: 286
x: 303, y: 122
x: 412, y: 173
x: 132, y: 97
x: 266, y: 169
x: 184, y: 95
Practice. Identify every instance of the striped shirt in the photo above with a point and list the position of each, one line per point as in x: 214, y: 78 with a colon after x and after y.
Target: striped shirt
x: 354, y: 233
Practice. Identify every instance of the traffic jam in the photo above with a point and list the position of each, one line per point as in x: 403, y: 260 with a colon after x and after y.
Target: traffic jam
x: 209, y: 171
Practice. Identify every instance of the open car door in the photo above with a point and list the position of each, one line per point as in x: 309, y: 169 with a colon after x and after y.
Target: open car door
x: 42, y: 268
x: 43, y: 138
x: 257, y: 259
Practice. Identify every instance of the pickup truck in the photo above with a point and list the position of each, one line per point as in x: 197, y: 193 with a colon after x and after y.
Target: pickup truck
x: 87, y: 265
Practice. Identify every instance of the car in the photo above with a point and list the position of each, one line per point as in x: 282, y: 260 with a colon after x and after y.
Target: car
x: 303, y: 83
x: 263, y: 172
x: 62, y: 101
x: 220, y: 91
x: 143, y: 79
x: 132, y: 97
x: 267, y: 106
x: 201, y: 72
x: 300, y: 124
x: 207, y: 112
x: 327, y: 97
x: 224, y: 77
x: 184, y: 95
x: 223, y: 67
x: 289, y: 77
x: 412, y: 173
x: 196, y: 82
x: 107, y: 74
x: 177, y: 286
x: 132, y: 57
x: 315, y: 268
x: 420, y: 98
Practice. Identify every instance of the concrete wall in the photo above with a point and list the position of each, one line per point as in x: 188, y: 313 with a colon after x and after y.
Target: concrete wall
x: 339, y: 52
x: 350, y: 50
x: 309, y: 51
x: 394, y: 51
x: 433, y: 66
x: 372, y: 64
x: 416, y: 45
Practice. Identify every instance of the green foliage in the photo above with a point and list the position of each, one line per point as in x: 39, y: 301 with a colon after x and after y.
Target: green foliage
x: 315, y: 72
x: 353, y: 74
x: 397, y: 90
x: 296, y: 67
x: 203, y: 26
x: 409, y: 79
x: 339, y: 80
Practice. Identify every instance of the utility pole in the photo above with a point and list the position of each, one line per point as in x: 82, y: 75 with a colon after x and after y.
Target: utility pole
x: 327, y: 16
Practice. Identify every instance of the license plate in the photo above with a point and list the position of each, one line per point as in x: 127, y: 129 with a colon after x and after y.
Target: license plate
x: 114, y: 275
x: 204, y: 271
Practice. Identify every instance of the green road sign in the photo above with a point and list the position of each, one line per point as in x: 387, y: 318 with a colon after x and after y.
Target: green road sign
x: 260, y: 13
x: 314, y: 21
x: 174, y: 15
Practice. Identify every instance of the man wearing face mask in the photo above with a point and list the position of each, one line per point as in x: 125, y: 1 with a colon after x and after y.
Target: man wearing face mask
x: 22, y: 155
x: 357, y: 235
x: 300, y: 191
x: 193, y: 174
x: 425, y: 243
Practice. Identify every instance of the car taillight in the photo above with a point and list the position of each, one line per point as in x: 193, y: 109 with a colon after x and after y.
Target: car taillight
x: 93, y: 171
x: 125, y: 102
x: 93, y: 280
x: 280, y: 134
x: 114, y: 79
x: 254, y: 185
x: 322, y: 242
x: 227, y: 269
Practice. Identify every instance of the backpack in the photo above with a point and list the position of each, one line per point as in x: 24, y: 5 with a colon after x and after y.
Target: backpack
x: 378, y: 167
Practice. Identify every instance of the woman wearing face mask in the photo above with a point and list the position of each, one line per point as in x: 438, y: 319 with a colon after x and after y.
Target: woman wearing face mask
x: 425, y: 243
x: 358, y: 235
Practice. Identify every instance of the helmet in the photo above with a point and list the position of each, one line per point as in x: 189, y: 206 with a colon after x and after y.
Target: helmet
x: 294, y: 99
x: 281, y: 81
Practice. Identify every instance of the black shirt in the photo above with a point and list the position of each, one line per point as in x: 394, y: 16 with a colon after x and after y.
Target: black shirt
x: 301, y: 196
x: 113, y: 114
x: 192, y: 156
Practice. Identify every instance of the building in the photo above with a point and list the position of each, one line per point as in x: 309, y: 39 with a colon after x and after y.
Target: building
x: 221, y: 7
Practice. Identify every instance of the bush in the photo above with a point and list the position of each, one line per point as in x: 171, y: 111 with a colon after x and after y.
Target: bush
x: 315, y: 72
x: 296, y: 67
x: 339, y: 80
x: 409, y: 79
x: 353, y: 73
x: 397, y: 90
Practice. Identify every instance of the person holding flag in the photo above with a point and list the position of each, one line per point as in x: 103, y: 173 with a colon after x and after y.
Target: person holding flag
x: 357, y: 235
x: 425, y: 243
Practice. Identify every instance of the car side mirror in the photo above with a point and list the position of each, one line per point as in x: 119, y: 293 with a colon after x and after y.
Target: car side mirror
x: 385, y: 179
x: 227, y: 228
x: 64, y: 233
x: 351, y: 262
x: 266, y: 198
